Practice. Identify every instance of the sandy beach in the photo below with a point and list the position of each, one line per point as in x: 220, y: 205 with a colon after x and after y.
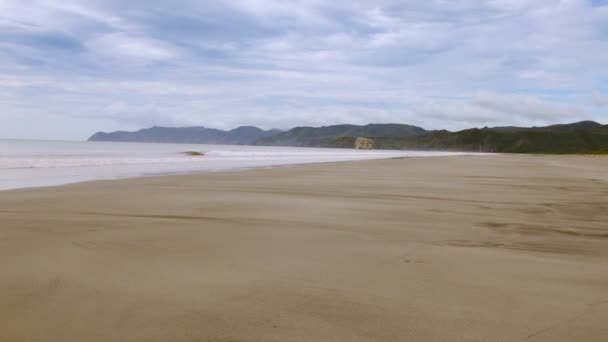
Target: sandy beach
x: 483, y: 248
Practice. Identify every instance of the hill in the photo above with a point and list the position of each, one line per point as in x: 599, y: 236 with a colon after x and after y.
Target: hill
x: 324, y: 136
x: 579, y: 137
x: 244, y: 135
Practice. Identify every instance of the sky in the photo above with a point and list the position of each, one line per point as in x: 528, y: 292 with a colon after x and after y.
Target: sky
x: 70, y: 68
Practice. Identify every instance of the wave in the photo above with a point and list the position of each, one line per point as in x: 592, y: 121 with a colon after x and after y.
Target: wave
x: 62, y: 161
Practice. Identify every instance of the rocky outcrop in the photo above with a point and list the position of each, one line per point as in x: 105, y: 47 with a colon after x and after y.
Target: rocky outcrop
x: 364, y: 144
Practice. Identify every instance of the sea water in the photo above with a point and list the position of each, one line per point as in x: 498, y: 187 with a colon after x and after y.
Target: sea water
x: 34, y: 163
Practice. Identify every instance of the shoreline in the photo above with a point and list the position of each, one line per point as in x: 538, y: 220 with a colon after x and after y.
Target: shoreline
x: 269, y: 167
x: 424, y: 249
x: 235, y: 169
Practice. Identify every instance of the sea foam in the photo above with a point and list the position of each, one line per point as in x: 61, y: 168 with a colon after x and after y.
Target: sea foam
x: 27, y: 163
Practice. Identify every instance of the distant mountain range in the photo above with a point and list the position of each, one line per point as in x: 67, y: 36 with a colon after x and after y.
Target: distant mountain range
x: 244, y: 135
x: 578, y: 137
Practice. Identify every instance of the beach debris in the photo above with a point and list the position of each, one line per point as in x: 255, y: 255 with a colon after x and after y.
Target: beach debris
x: 194, y: 153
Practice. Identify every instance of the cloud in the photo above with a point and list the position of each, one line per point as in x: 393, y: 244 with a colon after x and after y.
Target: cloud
x: 118, y: 45
x: 526, y: 106
x: 440, y: 64
x: 491, y: 109
x: 599, y: 99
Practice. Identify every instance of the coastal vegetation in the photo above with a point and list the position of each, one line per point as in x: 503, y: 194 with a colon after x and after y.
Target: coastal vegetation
x: 580, y: 137
x: 586, y: 137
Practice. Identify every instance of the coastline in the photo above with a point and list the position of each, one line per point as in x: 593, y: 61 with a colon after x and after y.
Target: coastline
x: 30, y: 163
x: 202, y: 170
x: 502, y: 247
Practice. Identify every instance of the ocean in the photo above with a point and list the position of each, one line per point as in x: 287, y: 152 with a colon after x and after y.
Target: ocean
x: 35, y: 163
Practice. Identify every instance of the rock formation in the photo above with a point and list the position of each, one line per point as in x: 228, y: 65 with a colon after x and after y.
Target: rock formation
x: 364, y: 144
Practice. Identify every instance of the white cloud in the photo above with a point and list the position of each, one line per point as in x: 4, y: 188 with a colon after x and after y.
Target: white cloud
x: 490, y: 109
x: 437, y: 63
x: 599, y: 99
x: 526, y: 106
x: 121, y: 45
x: 47, y: 15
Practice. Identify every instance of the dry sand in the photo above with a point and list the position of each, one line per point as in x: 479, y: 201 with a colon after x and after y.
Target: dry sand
x: 498, y: 248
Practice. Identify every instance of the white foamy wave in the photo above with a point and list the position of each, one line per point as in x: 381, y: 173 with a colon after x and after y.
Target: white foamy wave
x: 54, y: 162
x: 42, y: 163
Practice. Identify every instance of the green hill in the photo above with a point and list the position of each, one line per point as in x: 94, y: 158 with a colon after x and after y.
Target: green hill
x: 324, y: 136
x: 578, y: 137
x: 487, y: 140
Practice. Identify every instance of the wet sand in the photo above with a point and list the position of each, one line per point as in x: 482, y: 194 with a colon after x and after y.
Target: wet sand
x: 493, y: 248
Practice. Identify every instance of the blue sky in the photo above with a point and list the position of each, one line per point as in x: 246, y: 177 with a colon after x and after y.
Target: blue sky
x: 69, y: 68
